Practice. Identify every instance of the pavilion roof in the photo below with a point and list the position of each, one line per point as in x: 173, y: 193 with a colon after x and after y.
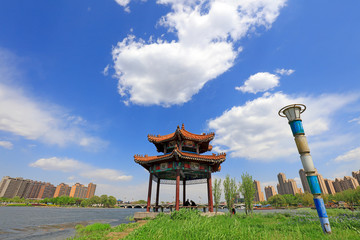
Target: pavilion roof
x: 211, y: 159
x: 183, y: 134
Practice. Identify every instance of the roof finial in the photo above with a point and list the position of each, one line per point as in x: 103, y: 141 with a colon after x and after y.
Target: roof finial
x: 182, y: 127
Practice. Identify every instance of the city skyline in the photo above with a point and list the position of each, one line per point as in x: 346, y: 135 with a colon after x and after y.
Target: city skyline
x: 82, y: 84
x: 30, y: 189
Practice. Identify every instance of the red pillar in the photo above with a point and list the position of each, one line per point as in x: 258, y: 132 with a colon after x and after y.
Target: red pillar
x: 149, y: 194
x: 157, y: 195
x: 210, y: 196
x: 177, y: 189
x: 184, y: 191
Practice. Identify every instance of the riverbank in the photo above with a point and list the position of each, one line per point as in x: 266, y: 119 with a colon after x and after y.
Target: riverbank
x: 55, y: 223
x: 301, y: 224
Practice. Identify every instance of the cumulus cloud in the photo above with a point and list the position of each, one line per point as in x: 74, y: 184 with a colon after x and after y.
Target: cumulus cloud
x: 83, y: 169
x: 167, y: 73
x: 109, y: 174
x: 124, y: 3
x: 255, y: 131
x: 6, y: 144
x: 352, y: 155
x: 58, y: 164
x: 283, y: 71
x: 260, y: 82
x: 34, y: 119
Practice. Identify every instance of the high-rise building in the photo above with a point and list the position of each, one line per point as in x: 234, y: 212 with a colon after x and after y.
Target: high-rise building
x: 33, y: 189
x: 356, y: 175
x: 25, y: 188
x: 286, y: 186
x: 90, y: 190
x: 337, y: 185
x: 304, y: 181
x: 78, y: 191
x: 330, y: 186
x: 350, y: 183
x: 306, y: 184
x: 269, y: 192
x: 281, y: 188
x: 47, y: 190
x: 259, y: 195
x: 322, y: 184
x: 11, y: 187
x: 62, y: 190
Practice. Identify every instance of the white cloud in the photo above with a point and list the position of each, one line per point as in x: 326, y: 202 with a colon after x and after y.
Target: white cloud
x: 106, y: 70
x: 124, y: 3
x: 167, y: 73
x: 34, y: 119
x: 109, y: 174
x: 58, y: 164
x: 352, y: 155
x: 260, y: 82
x: 283, y: 71
x: 6, y: 144
x: 83, y: 169
x: 255, y: 131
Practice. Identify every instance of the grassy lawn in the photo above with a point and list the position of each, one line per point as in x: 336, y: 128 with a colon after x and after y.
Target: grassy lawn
x: 187, y: 224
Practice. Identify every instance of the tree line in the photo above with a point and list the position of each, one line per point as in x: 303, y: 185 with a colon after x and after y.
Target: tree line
x: 246, y: 187
x: 95, y: 201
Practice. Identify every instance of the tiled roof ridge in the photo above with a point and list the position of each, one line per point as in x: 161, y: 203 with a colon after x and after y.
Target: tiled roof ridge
x: 184, y: 133
x: 145, y: 158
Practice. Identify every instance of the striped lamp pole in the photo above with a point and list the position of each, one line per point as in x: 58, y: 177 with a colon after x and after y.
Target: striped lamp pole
x: 292, y: 113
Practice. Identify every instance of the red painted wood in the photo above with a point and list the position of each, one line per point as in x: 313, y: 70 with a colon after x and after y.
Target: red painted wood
x: 157, y: 195
x: 149, y: 194
x: 210, y: 204
x: 177, y: 189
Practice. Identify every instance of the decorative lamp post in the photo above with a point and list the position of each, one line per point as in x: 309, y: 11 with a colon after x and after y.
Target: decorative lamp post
x: 292, y: 113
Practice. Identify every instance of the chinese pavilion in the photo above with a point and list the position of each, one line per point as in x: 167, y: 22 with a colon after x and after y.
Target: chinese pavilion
x: 181, y: 163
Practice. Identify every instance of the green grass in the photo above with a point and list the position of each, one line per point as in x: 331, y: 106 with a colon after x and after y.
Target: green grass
x: 188, y: 224
x: 98, y: 230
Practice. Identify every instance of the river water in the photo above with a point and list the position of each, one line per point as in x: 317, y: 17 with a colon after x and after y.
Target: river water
x: 39, y: 223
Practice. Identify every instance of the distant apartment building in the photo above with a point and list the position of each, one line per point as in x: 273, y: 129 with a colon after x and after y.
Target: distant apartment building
x: 337, y: 185
x: 47, y: 190
x: 305, y: 183
x: 350, y: 183
x: 269, y: 192
x: 62, y: 190
x: 287, y: 186
x: 322, y: 184
x: 346, y: 183
x: 33, y: 189
x: 25, y: 188
x: 78, y: 191
x: 90, y: 190
x: 281, y: 185
x: 259, y: 195
x: 356, y: 175
x: 11, y: 187
x: 330, y: 186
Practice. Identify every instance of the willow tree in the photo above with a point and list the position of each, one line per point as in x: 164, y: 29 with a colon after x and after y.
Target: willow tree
x: 247, y: 189
x: 217, y: 193
x: 230, y: 191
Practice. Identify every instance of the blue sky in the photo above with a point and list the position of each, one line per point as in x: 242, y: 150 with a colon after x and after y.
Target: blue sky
x: 82, y: 84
